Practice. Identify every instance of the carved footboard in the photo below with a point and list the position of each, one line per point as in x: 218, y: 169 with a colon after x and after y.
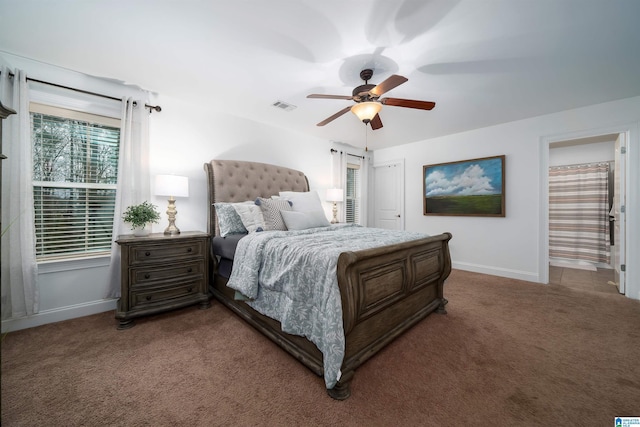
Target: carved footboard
x: 384, y: 292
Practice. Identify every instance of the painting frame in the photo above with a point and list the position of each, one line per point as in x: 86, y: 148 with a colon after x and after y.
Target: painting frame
x: 474, y: 187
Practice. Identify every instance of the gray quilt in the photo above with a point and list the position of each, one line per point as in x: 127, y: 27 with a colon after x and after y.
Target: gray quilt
x: 291, y: 276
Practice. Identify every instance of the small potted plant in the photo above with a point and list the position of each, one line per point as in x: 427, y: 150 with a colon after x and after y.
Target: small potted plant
x: 139, y: 216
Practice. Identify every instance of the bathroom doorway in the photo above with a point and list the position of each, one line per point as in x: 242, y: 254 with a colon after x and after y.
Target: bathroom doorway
x: 584, y: 186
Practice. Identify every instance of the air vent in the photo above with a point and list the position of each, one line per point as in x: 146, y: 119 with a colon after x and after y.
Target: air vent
x: 284, y: 106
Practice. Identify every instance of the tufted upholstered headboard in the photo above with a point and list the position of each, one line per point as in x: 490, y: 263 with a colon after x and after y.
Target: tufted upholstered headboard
x: 239, y: 181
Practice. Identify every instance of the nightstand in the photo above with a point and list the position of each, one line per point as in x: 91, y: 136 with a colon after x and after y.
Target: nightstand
x: 161, y: 273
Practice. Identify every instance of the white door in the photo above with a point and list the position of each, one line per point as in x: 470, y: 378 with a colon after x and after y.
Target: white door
x: 389, y: 195
x: 618, y: 213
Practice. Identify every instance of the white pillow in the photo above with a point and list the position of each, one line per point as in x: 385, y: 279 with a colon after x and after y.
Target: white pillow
x: 251, y: 216
x: 303, y: 220
x: 307, y: 201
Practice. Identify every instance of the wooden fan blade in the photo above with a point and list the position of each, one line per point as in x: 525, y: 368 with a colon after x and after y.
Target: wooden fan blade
x: 317, y: 95
x: 335, y: 116
x: 376, y: 123
x: 391, y: 82
x: 408, y: 103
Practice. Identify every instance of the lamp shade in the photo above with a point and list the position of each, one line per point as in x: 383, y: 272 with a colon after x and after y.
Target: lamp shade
x: 335, y: 195
x: 366, y: 111
x: 172, y: 185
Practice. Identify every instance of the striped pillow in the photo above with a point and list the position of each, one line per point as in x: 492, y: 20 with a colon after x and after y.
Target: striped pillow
x: 271, y: 212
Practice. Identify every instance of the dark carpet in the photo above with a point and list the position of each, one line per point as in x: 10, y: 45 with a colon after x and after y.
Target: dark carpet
x: 507, y: 353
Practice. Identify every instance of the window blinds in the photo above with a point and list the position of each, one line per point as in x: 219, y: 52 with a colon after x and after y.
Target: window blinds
x: 353, y: 196
x: 75, y: 168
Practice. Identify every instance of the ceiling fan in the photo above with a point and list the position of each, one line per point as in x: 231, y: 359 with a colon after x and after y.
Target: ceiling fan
x: 368, y: 101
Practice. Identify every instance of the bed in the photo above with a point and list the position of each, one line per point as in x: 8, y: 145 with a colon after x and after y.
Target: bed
x: 383, y: 291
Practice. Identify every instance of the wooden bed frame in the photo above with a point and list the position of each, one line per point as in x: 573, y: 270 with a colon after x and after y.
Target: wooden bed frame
x: 384, y: 290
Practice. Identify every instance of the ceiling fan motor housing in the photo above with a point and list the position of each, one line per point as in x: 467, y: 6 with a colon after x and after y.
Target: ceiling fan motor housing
x: 361, y: 93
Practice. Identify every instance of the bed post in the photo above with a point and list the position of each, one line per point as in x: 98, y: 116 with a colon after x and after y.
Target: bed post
x: 211, y: 221
x: 342, y: 389
x: 445, y: 273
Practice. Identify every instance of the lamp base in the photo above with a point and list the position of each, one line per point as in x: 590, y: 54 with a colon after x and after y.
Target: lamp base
x: 335, y: 214
x: 172, y: 230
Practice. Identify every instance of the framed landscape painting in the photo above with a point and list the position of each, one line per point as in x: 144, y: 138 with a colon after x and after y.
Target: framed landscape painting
x: 467, y: 188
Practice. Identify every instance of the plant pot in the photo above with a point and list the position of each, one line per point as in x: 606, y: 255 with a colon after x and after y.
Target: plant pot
x: 140, y: 231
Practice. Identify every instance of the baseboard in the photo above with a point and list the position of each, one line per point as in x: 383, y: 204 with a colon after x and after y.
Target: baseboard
x: 58, y: 315
x: 497, y: 271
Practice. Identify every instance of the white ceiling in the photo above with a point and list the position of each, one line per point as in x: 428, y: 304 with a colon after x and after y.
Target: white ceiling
x: 483, y: 62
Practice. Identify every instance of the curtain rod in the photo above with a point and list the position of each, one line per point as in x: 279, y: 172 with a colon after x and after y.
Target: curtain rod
x: 348, y: 154
x: 577, y: 165
x: 150, y: 107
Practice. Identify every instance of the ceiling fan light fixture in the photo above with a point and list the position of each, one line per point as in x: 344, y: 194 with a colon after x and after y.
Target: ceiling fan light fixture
x: 366, y: 111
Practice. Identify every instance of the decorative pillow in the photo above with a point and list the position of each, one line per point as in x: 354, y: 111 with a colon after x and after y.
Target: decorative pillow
x: 303, y: 220
x: 228, y: 220
x: 307, y: 201
x: 251, y: 216
x: 271, y: 212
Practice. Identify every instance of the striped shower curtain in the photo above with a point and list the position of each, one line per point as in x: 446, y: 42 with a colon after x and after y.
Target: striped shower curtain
x: 579, y: 212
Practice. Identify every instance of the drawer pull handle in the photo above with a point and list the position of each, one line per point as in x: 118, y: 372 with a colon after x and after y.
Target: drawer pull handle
x: 146, y: 276
x: 148, y: 297
x: 190, y: 249
x: 147, y: 253
x: 189, y: 270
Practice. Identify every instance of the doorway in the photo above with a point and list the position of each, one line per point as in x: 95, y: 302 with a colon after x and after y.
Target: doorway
x: 585, y: 257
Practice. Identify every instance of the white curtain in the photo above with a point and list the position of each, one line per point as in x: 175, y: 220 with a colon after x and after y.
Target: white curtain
x: 20, y: 294
x: 341, y: 157
x: 133, y: 177
x: 339, y: 178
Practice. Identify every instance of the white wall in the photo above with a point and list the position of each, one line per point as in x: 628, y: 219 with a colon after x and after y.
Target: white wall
x: 184, y: 136
x: 514, y: 246
x: 584, y: 153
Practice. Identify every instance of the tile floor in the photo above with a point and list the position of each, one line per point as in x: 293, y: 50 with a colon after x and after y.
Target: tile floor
x: 583, y: 279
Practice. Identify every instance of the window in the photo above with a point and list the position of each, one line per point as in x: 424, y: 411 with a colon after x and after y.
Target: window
x: 75, y: 169
x: 353, y: 193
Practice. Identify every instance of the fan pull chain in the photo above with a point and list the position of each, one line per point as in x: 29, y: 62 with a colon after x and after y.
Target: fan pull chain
x: 366, y: 142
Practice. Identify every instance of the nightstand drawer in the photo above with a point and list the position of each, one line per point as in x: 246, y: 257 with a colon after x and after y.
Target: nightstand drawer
x: 162, y: 296
x: 145, y: 276
x: 170, y: 253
